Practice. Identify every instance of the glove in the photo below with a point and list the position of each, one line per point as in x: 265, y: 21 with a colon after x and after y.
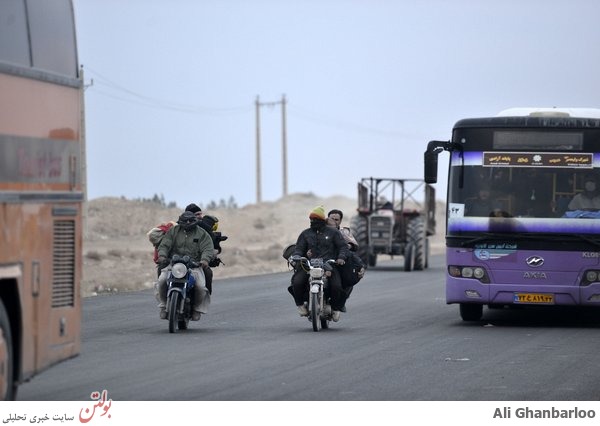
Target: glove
x: 361, y: 273
x: 292, y: 261
x: 215, y: 262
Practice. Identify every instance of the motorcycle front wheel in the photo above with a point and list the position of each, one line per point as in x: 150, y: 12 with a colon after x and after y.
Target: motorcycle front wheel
x: 315, y: 312
x: 173, y: 305
x: 183, y: 324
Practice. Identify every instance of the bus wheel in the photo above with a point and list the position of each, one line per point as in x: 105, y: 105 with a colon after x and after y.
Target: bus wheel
x: 7, y: 385
x: 471, y: 312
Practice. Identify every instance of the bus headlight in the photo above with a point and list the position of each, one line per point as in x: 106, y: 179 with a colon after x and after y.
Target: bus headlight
x: 478, y: 273
x: 589, y: 277
x: 475, y: 272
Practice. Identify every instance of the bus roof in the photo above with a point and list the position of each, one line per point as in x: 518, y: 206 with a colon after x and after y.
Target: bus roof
x: 536, y: 118
x: 551, y: 112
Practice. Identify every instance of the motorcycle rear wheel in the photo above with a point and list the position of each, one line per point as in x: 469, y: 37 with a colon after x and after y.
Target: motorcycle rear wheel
x: 173, y: 306
x: 315, y: 312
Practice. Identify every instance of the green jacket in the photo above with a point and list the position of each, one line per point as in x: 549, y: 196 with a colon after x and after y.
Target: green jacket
x: 196, y: 243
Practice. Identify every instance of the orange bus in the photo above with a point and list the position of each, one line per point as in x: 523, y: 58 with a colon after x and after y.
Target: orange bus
x: 41, y: 189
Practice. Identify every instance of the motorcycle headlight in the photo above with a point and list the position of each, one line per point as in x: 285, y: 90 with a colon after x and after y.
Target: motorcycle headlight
x: 179, y: 270
x: 316, y: 273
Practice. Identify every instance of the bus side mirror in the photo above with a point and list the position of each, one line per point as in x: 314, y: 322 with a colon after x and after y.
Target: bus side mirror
x: 431, y: 166
x: 431, y: 158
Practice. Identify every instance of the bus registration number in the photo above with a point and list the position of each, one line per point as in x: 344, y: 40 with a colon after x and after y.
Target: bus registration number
x: 533, y: 298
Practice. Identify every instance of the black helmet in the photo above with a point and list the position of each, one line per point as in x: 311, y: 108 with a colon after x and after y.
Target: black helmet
x: 193, y: 208
x: 188, y: 220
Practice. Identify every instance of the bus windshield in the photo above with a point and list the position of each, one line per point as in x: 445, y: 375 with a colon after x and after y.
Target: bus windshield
x: 524, y: 182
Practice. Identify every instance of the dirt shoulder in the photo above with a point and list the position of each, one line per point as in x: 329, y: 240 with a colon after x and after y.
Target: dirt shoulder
x: 118, y: 256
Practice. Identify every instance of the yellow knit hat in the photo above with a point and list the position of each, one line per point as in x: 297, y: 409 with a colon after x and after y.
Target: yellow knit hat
x: 317, y: 213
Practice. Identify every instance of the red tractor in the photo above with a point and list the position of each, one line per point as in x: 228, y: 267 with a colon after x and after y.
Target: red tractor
x: 395, y: 217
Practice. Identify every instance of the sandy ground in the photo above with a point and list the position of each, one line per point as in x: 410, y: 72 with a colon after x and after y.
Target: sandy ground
x: 118, y: 255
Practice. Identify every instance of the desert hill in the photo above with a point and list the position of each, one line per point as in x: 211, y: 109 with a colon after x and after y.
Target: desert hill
x: 118, y: 255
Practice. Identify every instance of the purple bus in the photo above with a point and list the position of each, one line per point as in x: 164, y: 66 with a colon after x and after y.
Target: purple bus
x: 523, y: 209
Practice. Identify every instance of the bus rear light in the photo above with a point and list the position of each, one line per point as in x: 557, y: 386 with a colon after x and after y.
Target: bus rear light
x: 475, y: 272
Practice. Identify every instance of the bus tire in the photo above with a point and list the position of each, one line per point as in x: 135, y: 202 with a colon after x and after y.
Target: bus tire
x: 8, y: 387
x: 471, y: 311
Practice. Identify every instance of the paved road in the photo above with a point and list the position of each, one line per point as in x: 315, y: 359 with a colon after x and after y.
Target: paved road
x: 399, y: 341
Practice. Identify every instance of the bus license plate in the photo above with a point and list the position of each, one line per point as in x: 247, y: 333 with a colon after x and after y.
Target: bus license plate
x: 533, y: 298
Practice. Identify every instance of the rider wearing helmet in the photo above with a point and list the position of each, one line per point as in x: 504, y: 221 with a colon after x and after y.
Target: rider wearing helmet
x: 185, y: 238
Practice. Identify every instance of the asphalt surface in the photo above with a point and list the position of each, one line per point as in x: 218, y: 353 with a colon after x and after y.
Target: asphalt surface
x: 399, y: 341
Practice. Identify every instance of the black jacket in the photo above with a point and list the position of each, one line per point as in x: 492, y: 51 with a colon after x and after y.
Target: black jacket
x: 325, y: 243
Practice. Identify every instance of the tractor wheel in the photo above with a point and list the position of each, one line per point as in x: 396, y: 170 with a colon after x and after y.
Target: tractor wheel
x: 372, y: 260
x: 416, y: 235
x: 359, y: 228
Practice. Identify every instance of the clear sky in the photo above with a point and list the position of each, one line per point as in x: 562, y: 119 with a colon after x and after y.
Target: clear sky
x: 170, y: 107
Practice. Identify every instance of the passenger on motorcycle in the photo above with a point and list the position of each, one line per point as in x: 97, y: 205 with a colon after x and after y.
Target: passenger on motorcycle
x: 334, y: 218
x: 210, y: 224
x: 319, y: 241
x: 354, y: 269
x: 186, y: 238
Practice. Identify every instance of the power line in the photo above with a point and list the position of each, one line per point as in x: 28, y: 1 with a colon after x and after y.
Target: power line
x: 106, y: 87
x: 126, y: 95
x: 346, y: 126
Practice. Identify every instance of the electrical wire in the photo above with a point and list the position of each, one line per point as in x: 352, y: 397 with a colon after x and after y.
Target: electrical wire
x: 121, y: 93
x: 108, y: 88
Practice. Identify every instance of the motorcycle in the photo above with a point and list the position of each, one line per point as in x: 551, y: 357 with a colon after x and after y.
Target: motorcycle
x: 180, y: 292
x: 319, y: 307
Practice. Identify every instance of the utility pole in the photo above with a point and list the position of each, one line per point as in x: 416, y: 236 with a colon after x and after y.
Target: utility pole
x: 258, y: 184
x: 283, y: 144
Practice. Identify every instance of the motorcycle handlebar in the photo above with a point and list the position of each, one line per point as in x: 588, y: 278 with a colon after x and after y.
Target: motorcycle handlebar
x: 182, y: 259
x: 295, y: 258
